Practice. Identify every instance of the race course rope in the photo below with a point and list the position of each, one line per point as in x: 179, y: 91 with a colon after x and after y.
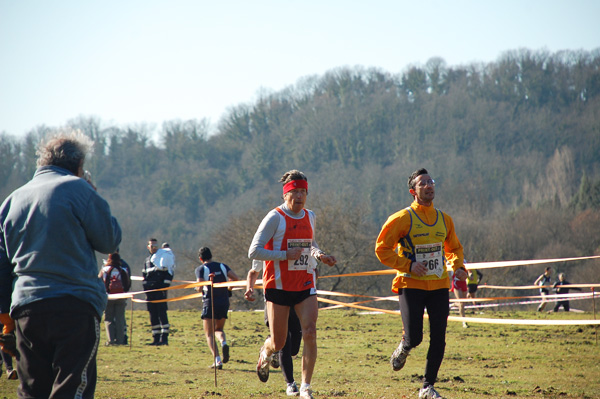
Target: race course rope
x: 394, y: 298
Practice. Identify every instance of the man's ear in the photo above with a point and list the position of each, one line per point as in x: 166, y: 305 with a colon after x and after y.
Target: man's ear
x: 412, y: 192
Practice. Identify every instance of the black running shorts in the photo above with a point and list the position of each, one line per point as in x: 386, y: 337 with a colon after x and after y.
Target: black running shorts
x: 286, y: 298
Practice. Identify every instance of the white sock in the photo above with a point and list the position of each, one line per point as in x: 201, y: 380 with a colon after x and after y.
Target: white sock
x: 223, y: 343
x: 304, y: 386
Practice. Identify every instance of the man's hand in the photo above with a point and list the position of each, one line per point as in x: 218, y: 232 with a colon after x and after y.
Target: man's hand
x: 419, y: 269
x: 87, y: 176
x: 328, y: 260
x: 250, y: 280
x: 461, y: 274
x: 249, y: 294
x: 293, y: 253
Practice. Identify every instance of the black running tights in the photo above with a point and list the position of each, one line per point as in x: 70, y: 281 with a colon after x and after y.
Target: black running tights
x: 413, y: 302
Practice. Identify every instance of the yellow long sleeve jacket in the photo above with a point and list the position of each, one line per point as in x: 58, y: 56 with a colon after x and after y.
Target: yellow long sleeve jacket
x: 393, y: 247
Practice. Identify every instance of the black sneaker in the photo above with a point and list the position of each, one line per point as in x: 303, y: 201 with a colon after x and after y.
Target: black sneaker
x: 398, y: 359
x: 275, y: 360
x: 12, y: 374
x: 225, y: 353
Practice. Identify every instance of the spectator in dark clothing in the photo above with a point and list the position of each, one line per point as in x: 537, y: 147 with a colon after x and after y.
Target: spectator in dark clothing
x: 562, y: 287
x: 127, y: 268
x: 155, y: 277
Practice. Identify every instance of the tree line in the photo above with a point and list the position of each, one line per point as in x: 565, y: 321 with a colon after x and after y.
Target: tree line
x: 513, y: 146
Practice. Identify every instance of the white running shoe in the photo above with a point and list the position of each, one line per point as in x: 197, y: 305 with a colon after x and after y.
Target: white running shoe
x: 399, y: 357
x: 218, y: 364
x: 306, y: 393
x: 292, y: 389
x: 429, y: 393
x: 262, y: 367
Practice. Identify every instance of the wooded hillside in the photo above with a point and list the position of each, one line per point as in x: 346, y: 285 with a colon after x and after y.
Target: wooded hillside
x: 514, y: 147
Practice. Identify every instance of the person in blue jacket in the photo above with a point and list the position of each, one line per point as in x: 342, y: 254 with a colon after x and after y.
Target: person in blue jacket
x: 50, y: 229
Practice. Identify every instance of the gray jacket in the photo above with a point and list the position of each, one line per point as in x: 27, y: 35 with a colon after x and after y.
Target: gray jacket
x: 49, y: 230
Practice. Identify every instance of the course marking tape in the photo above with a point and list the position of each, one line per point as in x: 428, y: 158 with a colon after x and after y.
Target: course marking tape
x: 473, y: 266
x: 475, y: 319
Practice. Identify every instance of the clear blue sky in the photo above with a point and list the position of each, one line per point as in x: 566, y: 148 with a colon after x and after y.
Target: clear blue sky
x: 147, y: 61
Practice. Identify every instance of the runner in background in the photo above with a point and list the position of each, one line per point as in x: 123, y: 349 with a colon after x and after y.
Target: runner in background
x: 460, y: 292
x: 544, y: 280
x: 473, y: 279
x: 217, y: 299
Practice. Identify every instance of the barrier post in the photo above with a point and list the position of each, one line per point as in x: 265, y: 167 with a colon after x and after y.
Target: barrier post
x: 131, y: 324
x: 212, y: 311
x: 594, y: 304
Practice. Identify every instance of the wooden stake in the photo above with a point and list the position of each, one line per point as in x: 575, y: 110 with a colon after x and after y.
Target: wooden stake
x: 594, y: 303
x: 212, y: 310
x: 131, y: 325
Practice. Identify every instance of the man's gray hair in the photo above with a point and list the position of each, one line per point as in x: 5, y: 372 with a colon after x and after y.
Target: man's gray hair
x: 293, y: 174
x: 65, y: 149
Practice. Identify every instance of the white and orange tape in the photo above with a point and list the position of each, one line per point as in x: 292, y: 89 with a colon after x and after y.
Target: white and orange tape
x: 360, y: 304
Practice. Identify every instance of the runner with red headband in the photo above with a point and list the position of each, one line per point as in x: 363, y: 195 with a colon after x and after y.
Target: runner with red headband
x: 285, y: 241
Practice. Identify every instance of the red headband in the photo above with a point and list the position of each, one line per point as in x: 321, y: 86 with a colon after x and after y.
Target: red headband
x: 289, y: 186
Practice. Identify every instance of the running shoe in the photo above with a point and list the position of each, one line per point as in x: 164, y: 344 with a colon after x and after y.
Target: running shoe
x: 262, y: 367
x: 306, y: 393
x: 12, y: 374
x: 292, y: 389
x: 225, y: 353
x: 465, y: 325
x: 399, y: 356
x: 429, y: 393
x: 275, y: 360
x: 218, y: 365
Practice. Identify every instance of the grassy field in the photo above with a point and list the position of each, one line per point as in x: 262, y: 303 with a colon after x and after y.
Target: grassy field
x: 483, y: 361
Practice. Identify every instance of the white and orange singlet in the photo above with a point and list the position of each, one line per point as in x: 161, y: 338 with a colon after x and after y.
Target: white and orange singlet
x: 291, y: 275
x: 280, y: 230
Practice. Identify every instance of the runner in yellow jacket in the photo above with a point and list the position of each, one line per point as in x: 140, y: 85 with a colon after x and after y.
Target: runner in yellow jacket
x: 417, y: 242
